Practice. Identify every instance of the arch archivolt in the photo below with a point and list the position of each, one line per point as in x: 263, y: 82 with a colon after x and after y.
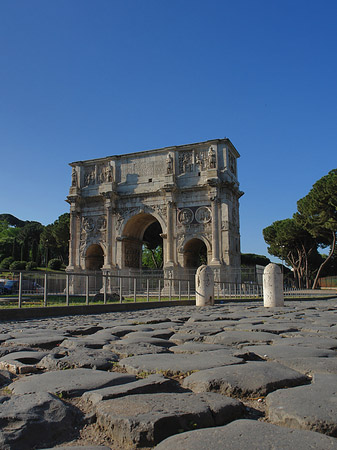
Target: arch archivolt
x: 125, y: 215
x: 89, y: 242
x: 184, y: 239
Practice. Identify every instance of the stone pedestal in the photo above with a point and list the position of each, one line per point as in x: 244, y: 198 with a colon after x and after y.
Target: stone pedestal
x: 272, y: 286
x: 204, y: 286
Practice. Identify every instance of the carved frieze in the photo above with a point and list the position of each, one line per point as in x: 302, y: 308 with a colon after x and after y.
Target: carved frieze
x: 99, y: 174
x: 89, y: 176
x: 185, y: 162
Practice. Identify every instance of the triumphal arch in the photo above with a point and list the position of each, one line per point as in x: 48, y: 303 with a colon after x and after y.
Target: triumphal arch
x: 184, y: 198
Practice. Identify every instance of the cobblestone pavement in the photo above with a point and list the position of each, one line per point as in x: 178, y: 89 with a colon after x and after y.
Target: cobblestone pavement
x: 230, y: 376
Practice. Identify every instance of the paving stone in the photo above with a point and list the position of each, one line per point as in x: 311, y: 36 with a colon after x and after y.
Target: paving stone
x: 310, y: 341
x: 196, y: 347
x: 248, y: 380
x: 146, y: 340
x: 178, y: 363
x: 312, y: 407
x: 125, y: 349
x: 88, y: 342
x: 232, y: 337
x: 248, y: 434
x: 5, y: 377
x: 71, y: 383
x: 152, y: 384
x: 181, y: 338
x: 28, y: 420
x: 76, y: 447
x: 21, y: 362
x: 311, y: 365
x: 282, y: 353
x: 43, y: 341
x: 146, y: 419
x: 160, y: 334
x: 80, y: 357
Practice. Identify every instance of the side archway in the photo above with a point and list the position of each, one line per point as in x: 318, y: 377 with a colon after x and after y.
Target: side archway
x: 94, y: 257
x: 195, y: 253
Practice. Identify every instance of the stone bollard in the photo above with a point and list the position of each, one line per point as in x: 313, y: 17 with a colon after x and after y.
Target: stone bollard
x: 204, y: 286
x: 272, y: 286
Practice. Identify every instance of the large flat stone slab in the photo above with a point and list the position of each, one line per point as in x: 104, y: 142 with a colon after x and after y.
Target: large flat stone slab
x: 278, y: 352
x: 22, y: 362
x: 311, y: 365
x: 232, y: 337
x: 248, y: 434
x: 250, y: 379
x: 70, y: 383
x: 152, y: 384
x: 178, y: 363
x: 79, y: 357
x: 312, y: 407
x: 32, y: 419
x: 144, y: 420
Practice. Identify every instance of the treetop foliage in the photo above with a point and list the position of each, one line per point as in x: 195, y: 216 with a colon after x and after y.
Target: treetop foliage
x: 313, y: 226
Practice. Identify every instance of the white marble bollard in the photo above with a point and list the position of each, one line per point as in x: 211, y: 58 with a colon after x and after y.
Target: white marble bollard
x: 204, y: 286
x: 272, y: 286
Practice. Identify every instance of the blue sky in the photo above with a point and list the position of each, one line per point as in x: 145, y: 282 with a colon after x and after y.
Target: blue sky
x: 85, y: 79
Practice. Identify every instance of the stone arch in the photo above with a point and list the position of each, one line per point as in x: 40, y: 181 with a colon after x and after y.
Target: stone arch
x: 94, y: 257
x: 195, y: 253
x: 134, y: 231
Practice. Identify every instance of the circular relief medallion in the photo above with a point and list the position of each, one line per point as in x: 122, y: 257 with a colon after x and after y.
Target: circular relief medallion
x: 203, y: 214
x: 185, y: 216
x: 88, y: 223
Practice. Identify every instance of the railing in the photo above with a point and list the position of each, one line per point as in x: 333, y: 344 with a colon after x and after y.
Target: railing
x: 65, y: 289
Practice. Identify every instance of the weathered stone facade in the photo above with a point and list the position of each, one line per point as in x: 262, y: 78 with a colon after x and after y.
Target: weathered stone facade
x: 189, y: 194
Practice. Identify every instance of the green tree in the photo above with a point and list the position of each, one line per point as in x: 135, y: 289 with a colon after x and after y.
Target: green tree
x: 29, y: 238
x: 54, y: 241
x: 317, y: 213
x: 290, y: 242
x: 8, y: 240
x: 251, y: 259
x: 152, y: 257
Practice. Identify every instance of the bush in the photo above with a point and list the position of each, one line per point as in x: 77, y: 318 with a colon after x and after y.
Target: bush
x: 31, y: 265
x: 18, y: 265
x: 6, y: 262
x: 54, y: 264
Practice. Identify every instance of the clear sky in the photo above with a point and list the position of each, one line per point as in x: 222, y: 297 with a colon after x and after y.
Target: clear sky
x: 85, y: 79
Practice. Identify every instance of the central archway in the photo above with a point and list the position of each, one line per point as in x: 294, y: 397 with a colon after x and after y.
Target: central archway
x: 142, y: 230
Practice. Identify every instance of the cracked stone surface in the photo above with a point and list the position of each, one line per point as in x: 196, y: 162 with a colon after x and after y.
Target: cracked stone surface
x: 132, y: 379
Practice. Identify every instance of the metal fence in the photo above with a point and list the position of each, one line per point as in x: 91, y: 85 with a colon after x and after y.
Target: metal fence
x: 64, y: 289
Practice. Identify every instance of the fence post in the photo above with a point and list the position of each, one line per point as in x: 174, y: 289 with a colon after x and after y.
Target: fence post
x: 45, y: 289
x: 104, y: 288
x: 20, y: 290
x: 147, y: 290
x: 67, y: 289
x: 188, y: 289
x: 120, y: 290
x: 135, y: 290
x: 179, y: 289
x: 87, y: 290
x: 159, y: 290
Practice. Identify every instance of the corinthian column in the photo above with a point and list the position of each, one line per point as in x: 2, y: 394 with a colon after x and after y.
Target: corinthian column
x: 108, y: 235
x: 73, y: 237
x: 215, y: 230
x: 169, y: 238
